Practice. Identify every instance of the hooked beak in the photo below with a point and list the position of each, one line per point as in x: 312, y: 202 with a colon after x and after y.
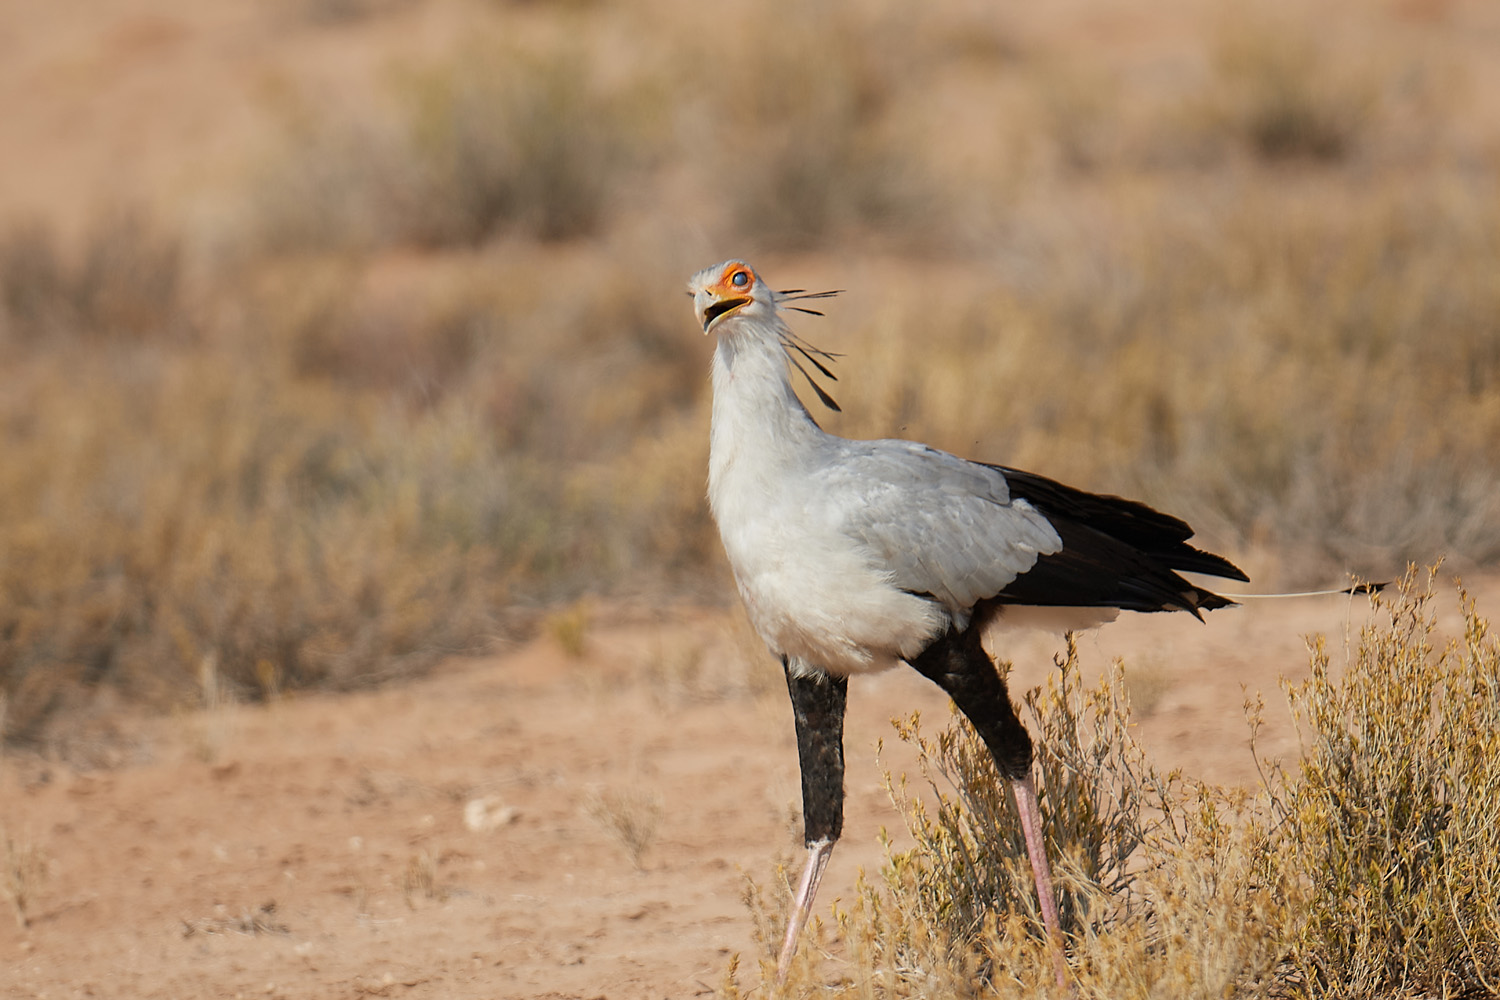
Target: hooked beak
x: 719, y: 307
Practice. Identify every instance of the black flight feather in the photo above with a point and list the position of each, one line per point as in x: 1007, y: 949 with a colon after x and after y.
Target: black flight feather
x: 1115, y: 553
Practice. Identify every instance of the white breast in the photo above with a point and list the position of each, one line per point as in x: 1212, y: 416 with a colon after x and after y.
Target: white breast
x: 811, y: 590
x: 811, y: 596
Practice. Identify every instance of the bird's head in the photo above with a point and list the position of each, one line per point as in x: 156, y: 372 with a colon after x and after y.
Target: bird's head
x: 733, y: 291
x: 730, y: 289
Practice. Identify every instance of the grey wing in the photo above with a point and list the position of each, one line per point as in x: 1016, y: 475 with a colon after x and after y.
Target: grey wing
x: 938, y: 524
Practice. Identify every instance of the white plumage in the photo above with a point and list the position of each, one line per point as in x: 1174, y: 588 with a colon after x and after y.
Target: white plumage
x: 827, y: 548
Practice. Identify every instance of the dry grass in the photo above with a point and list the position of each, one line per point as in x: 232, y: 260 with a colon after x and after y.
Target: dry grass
x: 496, y: 140
x: 184, y: 513
x: 440, y: 373
x: 24, y: 869
x: 808, y: 129
x: 249, y: 922
x: 420, y: 880
x: 124, y: 284
x: 1367, y: 871
x: 569, y: 628
x: 1392, y: 818
x: 631, y: 816
x: 1281, y: 96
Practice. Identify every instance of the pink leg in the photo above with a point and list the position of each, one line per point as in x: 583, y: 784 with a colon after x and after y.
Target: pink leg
x: 817, y: 859
x: 1031, y: 826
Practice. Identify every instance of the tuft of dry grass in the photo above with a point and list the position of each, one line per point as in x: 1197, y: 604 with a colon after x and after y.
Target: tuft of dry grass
x: 24, y: 868
x: 569, y: 628
x: 631, y: 816
x: 420, y: 880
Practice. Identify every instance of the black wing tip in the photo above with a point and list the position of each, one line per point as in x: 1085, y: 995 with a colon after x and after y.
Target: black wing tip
x: 1196, y: 560
x: 1207, y: 600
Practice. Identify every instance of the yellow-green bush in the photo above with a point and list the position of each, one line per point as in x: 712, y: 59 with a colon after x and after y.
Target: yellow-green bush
x: 1391, y: 820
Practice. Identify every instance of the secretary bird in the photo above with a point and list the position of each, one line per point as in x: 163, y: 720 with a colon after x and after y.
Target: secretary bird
x: 852, y: 556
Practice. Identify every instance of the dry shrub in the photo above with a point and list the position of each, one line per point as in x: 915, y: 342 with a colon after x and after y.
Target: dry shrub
x: 511, y: 142
x: 809, y: 142
x: 491, y: 141
x: 123, y: 282
x: 1152, y: 873
x: 341, y: 180
x: 1392, y: 818
x: 1284, y: 97
x: 569, y: 628
x: 1100, y: 791
x: 161, y: 512
x: 331, y: 318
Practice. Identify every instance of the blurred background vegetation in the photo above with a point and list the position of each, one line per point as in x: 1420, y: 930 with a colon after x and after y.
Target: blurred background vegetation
x: 384, y: 348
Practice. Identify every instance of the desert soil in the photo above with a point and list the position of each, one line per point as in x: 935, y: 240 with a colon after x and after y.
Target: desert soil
x: 319, y: 847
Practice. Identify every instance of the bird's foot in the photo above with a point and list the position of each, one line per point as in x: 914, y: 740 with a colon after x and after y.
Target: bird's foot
x: 1031, y: 827
x: 818, y: 854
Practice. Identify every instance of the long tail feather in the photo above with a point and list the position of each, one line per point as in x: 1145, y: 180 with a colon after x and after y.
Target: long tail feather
x: 1358, y: 588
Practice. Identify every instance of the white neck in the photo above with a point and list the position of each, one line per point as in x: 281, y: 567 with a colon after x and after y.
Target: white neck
x: 760, y: 428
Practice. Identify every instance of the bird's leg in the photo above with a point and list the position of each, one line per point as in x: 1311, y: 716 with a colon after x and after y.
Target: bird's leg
x: 959, y: 665
x: 812, y: 873
x: 818, y: 702
x: 1024, y: 792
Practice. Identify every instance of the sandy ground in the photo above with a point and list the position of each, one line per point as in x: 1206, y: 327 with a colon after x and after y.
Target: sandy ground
x: 318, y: 847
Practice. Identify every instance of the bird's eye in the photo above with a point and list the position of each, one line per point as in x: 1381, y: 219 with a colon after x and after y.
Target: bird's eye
x: 740, y: 279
